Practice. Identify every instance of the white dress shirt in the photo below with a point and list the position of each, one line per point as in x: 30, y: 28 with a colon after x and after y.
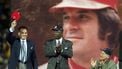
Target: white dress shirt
x: 59, y: 41
x: 25, y: 50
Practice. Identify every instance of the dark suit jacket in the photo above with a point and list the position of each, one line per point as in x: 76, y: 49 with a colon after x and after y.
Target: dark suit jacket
x: 15, y: 52
x: 66, y: 53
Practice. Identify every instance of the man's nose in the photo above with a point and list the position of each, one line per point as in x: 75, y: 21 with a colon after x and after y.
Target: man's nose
x: 73, y: 24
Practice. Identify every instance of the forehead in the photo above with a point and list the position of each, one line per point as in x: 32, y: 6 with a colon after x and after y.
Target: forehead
x: 76, y: 11
x: 23, y: 30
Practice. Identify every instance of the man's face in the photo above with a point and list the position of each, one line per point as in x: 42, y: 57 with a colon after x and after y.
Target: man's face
x: 57, y: 34
x: 23, y: 33
x: 81, y: 27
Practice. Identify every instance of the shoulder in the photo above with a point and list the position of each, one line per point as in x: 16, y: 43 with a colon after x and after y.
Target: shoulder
x: 16, y: 41
x: 50, y: 40
x: 67, y: 41
x: 30, y: 41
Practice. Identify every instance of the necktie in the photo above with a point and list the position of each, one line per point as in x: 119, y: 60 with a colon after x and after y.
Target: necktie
x: 58, y: 43
x: 23, y: 52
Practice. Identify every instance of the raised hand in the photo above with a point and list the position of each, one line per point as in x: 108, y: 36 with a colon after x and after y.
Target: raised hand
x: 13, y: 24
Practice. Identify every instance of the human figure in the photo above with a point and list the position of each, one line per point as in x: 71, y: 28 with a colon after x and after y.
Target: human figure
x: 91, y: 25
x: 58, y: 50
x: 104, y: 62
x: 23, y: 54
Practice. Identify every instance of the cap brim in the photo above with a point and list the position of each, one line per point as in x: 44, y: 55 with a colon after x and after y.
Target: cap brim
x: 82, y: 4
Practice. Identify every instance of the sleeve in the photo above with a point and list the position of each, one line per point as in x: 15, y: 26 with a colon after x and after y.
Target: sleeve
x: 11, y: 29
x: 10, y: 38
x: 34, y: 58
x: 67, y: 49
x: 49, y: 49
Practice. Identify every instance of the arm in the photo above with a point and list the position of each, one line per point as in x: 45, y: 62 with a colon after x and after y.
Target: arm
x: 10, y: 38
x: 49, y: 49
x: 33, y: 58
x: 67, y: 49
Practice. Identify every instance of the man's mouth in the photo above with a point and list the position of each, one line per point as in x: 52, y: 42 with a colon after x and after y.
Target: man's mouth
x: 74, y: 37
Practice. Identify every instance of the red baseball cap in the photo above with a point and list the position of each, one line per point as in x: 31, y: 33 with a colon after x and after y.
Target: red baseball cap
x: 16, y: 15
x: 85, y: 4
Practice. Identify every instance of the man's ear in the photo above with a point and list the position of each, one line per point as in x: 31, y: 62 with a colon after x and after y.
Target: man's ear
x: 108, y: 34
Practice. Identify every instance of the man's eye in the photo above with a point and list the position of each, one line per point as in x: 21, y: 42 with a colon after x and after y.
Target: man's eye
x: 82, y: 16
x: 65, y: 17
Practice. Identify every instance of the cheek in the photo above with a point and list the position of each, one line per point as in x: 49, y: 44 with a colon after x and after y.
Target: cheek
x: 91, y: 32
x: 92, y: 39
x: 91, y: 28
x: 26, y: 34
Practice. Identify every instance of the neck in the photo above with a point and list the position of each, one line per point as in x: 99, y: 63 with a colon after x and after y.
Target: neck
x: 82, y: 63
x: 58, y: 38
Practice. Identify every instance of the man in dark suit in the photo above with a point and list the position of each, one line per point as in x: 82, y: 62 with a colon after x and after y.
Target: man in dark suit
x: 23, y: 50
x: 58, y: 50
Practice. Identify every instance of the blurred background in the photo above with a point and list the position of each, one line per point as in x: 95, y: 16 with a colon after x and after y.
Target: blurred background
x: 36, y: 17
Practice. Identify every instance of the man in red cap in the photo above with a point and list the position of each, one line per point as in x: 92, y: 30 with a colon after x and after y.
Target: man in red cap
x: 91, y: 25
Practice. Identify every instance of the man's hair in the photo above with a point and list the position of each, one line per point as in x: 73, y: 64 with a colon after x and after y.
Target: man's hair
x: 109, y: 22
x: 22, y: 27
x: 108, y: 51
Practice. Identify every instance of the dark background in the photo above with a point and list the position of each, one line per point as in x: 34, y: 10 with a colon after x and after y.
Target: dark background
x: 36, y: 17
